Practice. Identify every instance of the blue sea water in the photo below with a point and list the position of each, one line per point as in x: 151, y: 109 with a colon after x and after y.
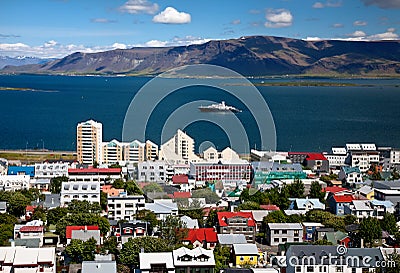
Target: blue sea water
x: 306, y: 118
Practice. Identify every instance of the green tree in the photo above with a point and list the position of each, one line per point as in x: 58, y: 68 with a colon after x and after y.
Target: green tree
x: 350, y: 219
x: 295, y: 218
x: 279, y: 197
x: 221, y: 255
x: 110, y: 245
x: 32, y: 194
x: 326, y: 218
x: 173, y: 230
x: 147, y: 216
x: 370, y: 230
x: 17, y: 204
x: 54, y: 215
x: 389, y: 223
x: 316, y: 191
x: 39, y: 213
x: 129, y: 254
x: 210, y: 196
x: 7, y: 222
x: 103, y: 200
x: 248, y: 205
x: 152, y: 187
x: 79, y: 251
x: 132, y: 188
x: 195, y: 212
x: 296, y: 189
x: 211, y: 218
x: 78, y: 206
x: 56, y: 182
x: 118, y: 184
x: 395, y: 175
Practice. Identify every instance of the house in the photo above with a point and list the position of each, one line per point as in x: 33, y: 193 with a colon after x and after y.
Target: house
x: 162, y: 208
x: 21, y: 259
x: 314, y: 258
x: 338, y: 202
x: 84, y: 235
x: 14, y: 182
x: 189, y: 222
x: 237, y: 223
x: 337, y: 238
x: 32, y: 232
x: 306, y: 204
x: 309, y: 230
x: 124, y: 206
x: 89, y: 191
x: 110, y: 191
x: 245, y: 254
x: 99, y: 267
x: 381, y: 208
x: 359, y: 208
x: 319, y: 233
x: 198, y: 260
x: 70, y: 229
x: 100, y: 175
x: 3, y: 206
x: 317, y: 162
x: 231, y: 239
x: 350, y: 175
x: 258, y: 216
x: 156, y: 262
x: 182, y: 181
x: 280, y: 233
x: 366, y: 192
x: 201, y: 237
x: 21, y: 170
x: 132, y: 229
x: 265, y: 172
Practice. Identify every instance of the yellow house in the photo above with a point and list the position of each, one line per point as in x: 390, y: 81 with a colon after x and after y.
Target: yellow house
x: 367, y: 192
x: 245, y: 255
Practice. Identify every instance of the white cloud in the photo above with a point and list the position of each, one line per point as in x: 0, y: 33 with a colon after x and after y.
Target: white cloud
x: 102, y: 20
x: 388, y: 35
x: 51, y: 43
x: 139, y: 6
x: 318, y: 5
x: 337, y: 25
x: 172, y: 16
x: 327, y: 4
x: 236, y: 22
x: 358, y: 34
x: 176, y: 41
x: 312, y: 39
x: 156, y: 43
x: 119, y: 46
x: 277, y: 18
x: 359, y: 23
x: 10, y: 47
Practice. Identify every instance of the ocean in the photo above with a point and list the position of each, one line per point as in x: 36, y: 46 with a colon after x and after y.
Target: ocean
x: 42, y: 111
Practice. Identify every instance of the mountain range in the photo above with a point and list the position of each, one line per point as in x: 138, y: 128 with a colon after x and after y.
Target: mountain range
x: 250, y: 56
x: 21, y: 60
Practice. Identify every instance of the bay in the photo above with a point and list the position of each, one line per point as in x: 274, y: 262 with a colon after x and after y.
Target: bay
x: 39, y: 111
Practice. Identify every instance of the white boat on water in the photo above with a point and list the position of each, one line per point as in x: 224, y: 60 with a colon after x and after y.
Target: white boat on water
x: 219, y: 107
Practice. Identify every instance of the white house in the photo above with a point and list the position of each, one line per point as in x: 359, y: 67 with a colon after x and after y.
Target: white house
x: 280, y: 233
x: 350, y: 175
x: 124, y: 207
x: 14, y: 182
x: 162, y: 208
x: 89, y: 191
x: 156, y: 262
x: 50, y: 170
x: 152, y: 171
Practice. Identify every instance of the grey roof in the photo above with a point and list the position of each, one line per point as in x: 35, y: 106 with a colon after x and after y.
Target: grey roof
x: 99, y: 267
x: 162, y: 206
x: 3, y: 205
x: 365, y: 190
x: 85, y: 235
x: 190, y: 223
x: 28, y: 242
x: 321, y: 253
x: 285, y: 226
x: 387, y: 185
x: 266, y: 166
x: 52, y: 201
x: 245, y: 249
x: 361, y: 205
x: 258, y: 215
x: 230, y: 239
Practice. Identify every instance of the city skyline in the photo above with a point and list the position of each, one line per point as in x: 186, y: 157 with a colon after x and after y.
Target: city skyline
x: 51, y: 28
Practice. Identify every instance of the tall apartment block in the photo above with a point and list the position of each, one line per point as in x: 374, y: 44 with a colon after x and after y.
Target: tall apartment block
x: 89, y: 140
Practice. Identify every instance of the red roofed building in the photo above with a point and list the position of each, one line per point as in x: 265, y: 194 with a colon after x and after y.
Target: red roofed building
x: 237, y: 223
x: 201, y: 237
x: 69, y: 229
x: 315, y: 161
x: 182, y: 180
x: 102, y: 175
x: 182, y: 194
x: 32, y: 232
x: 269, y: 207
x: 338, y: 202
x: 29, y: 212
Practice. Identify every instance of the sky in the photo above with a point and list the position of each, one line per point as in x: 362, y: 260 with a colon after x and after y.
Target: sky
x: 56, y: 28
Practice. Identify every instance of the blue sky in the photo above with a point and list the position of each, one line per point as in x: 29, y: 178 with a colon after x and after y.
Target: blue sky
x: 55, y: 28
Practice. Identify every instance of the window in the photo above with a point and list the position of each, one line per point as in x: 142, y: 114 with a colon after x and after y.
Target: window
x: 241, y: 258
x: 276, y: 240
x: 251, y: 258
x: 310, y: 269
x: 339, y: 268
x: 284, y: 231
x: 322, y: 268
x: 296, y: 233
x: 298, y: 268
x: 276, y: 231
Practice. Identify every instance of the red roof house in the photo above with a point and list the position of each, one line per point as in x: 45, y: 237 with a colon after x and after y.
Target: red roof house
x: 69, y: 229
x: 269, y: 207
x: 225, y: 216
x: 203, y: 237
x: 182, y: 194
x: 237, y: 223
x: 180, y: 179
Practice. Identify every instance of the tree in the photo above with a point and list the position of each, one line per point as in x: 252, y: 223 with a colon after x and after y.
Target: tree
x: 370, y: 230
x: 210, y: 196
x: 350, y: 219
x: 316, y: 191
x: 211, y: 218
x: 221, y: 255
x: 132, y: 188
x: 395, y: 174
x: 79, y: 251
x: 147, y: 216
x: 194, y: 211
x: 326, y: 218
x: 152, y: 187
x: 103, y: 200
x: 129, y: 254
x: 389, y: 223
x: 7, y: 222
x: 279, y: 197
x: 110, y: 245
x: 39, y: 213
x: 173, y: 230
x: 56, y: 182
x: 118, y: 184
x: 78, y: 206
x: 248, y: 205
x: 276, y: 216
x: 296, y: 189
x: 54, y: 215
x: 32, y: 194
x: 17, y: 204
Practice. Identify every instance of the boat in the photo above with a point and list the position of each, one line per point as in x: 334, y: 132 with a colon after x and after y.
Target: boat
x: 219, y: 107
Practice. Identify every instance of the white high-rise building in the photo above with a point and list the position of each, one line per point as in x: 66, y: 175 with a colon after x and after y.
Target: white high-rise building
x: 88, y: 145
x: 179, y: 149
x: 113, y: 152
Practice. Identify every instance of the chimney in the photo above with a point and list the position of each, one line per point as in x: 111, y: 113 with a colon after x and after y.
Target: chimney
x: 85, y: 227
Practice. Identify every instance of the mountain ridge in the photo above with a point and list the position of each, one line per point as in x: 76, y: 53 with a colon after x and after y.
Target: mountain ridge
x: 250, y: 56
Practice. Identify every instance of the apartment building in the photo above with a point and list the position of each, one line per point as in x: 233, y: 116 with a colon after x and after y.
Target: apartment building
x: 89, y: 191
x: 88, y: 143
x: 124, y: 207
x: 280, y: 233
